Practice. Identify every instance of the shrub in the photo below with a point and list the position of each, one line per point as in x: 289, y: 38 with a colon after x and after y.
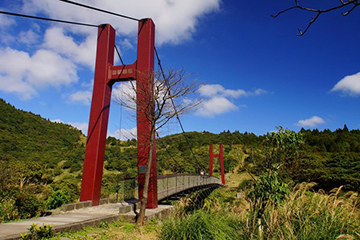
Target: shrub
x: 8, y: 210
x: 267, y: 190
x: 28, y: 205
x: 37, y: 232
x: 57, y: 199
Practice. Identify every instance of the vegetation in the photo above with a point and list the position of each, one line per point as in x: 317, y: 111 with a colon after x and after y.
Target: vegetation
x: 37, y: 233
x: 116, y: 230
x: 302, y: 214
x: 41, y: 168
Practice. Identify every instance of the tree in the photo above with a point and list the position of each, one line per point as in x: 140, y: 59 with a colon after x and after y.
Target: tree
x: 168, y: 101
x: 349, y: 5
x: 280, y: 147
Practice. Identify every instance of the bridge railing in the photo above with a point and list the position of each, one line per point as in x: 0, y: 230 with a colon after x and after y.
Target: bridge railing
x: 168, y: 185
x: 127, y: 189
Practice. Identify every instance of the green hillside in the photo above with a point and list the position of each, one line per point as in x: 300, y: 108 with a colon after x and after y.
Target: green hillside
x: 41, y: 161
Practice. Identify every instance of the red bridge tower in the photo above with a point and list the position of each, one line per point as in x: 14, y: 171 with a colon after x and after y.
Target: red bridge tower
x: 106, y: 74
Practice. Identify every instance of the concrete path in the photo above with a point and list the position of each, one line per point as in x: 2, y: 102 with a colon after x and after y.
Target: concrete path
x: 73, y: 220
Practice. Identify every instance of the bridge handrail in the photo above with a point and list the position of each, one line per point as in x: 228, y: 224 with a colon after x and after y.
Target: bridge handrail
x: 168, y: 185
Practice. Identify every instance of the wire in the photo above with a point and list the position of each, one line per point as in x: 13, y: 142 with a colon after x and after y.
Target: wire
x: 48, y: 19
x: 163, y: 145
x: 118, y: 53
x: 174, y: 106
x: 100, y: 10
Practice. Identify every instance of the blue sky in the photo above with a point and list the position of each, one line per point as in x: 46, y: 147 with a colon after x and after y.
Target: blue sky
x: 257, y: 73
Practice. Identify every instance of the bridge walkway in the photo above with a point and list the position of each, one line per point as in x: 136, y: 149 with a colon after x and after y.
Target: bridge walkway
x: 168, y: 186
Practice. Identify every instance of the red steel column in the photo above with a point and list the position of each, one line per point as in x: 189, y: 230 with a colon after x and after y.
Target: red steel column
x: 222, y: 165
x: 211, y: 153
x: 99, y: 115
x: 144, y: 96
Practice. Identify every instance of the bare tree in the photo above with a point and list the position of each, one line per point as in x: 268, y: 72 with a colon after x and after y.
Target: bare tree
x: 349, y: 5
x: 169, y: 100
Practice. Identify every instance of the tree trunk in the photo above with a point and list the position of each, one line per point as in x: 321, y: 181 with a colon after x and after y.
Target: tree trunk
x: 140, y: 220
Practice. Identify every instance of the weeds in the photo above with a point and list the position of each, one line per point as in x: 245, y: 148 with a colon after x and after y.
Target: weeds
x: 302, y: 214
x: 200, y: 225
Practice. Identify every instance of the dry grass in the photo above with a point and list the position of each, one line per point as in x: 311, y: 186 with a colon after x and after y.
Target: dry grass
x: 234, y: 179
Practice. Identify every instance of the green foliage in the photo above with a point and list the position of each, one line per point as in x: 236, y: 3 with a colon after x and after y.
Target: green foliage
x: 308, y: 215
x: 103, y: 225
x: 38, y: 156
x: 280, y: 147
x: 8, y: 210
x: 200, y: 225
x: 28, y: 205
x: 37, y: 233
x: 57, y: 199
x: 267, y: 191
x: 303, y: 214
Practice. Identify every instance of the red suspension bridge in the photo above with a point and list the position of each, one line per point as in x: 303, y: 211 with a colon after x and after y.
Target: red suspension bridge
x: 106, y: 75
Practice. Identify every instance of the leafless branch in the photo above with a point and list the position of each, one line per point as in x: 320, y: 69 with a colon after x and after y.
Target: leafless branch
x: 318, y: 12
x: 174, y: 88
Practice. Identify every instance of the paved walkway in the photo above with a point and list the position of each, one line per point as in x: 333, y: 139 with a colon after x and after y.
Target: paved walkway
x: 73, y: 220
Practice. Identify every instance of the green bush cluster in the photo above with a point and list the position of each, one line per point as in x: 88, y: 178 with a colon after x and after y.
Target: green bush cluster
x: 57, y: 199
x: 38, y: 232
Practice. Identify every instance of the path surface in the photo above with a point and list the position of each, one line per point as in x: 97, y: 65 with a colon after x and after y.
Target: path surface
x: 72, y: 220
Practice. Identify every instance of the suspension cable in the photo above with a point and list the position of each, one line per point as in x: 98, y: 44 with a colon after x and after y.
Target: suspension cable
x: 174, y: 106
x: 100, y: 10
x: 49, y: 19
x: 171, y: 156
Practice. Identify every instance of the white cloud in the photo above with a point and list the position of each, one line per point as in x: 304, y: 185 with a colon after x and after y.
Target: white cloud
x: 83, y: 126
x: 82, y: 53
x: 126, y: 44
x: 28, y: 37
x: 175, y: 20
x: 125, y: 93
x: 56, y: 120
x: 214, y: 106
x: 22, y: 74
x: 210, y: 90
x: 124, y: 134
x: 216, y: 99
x: 6, y: 21
x: 311, y: 122
x: 83, y: 97
x: 349, y: 85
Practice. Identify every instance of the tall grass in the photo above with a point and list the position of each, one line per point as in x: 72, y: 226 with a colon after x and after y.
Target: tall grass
x: 310, y: 215
x: 201, y: 225
x: 304, y: 214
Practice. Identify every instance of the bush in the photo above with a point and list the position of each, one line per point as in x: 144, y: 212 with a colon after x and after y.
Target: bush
x: 28, y: 205
x: 57, y: 199
x: 37, y: 232
x: 8, y: 210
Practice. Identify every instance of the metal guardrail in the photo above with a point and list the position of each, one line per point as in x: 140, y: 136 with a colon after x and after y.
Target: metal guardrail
x: 168, y: 185
x: 172, y: 184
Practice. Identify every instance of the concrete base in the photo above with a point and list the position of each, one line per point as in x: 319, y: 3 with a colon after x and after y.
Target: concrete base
x: 162, y: 212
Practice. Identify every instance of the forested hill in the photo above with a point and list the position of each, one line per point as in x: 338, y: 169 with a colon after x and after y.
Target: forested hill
x: 38, y: 158
x: 28, y: 137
